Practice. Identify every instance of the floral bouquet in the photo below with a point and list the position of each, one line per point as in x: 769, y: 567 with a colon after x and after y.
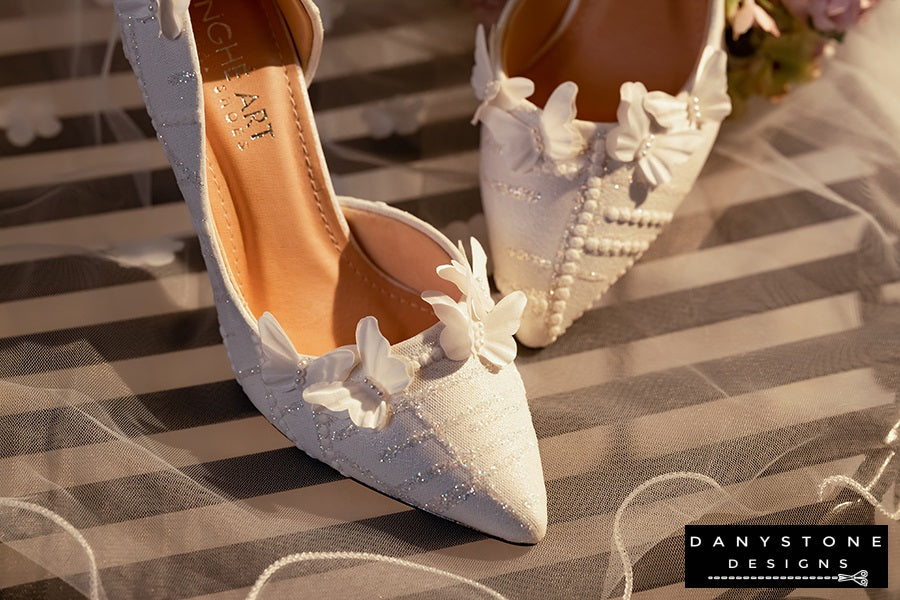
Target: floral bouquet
x: 772, y: 44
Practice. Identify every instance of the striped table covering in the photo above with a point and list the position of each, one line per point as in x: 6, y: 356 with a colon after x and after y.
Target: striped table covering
x: 757, y: 343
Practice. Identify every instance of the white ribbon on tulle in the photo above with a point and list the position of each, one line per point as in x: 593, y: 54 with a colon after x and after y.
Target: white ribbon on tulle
x: 859, y: 489
x: 308, y: 556
x: 93, y: 573
x: 619, y: 539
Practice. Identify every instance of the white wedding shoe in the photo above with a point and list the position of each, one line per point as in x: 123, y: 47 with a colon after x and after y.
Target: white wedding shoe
x: 325, y: 310
x: 571, y: 203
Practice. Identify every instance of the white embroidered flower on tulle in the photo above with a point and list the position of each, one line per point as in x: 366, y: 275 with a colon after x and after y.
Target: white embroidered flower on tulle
x: 476, y: 326
x: 707, y: 102
x: 554, y: 137
x: 25, y: 119
x: 656, y: 150
x: 492, y: 87
x: 401, y: 115
x: 364, y: 396
x: 171, y: 13
x: 153, y: 253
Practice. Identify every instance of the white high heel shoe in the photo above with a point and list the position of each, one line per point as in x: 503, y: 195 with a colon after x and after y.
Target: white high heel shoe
x: 325, y: 309
x: 571, y: 203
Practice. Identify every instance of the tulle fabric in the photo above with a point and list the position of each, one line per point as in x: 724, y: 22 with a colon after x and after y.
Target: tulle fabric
x: 751, y: 355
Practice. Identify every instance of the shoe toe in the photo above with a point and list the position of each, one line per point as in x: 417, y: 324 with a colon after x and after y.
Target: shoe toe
x: 460, y: 444
x: 496, y: 484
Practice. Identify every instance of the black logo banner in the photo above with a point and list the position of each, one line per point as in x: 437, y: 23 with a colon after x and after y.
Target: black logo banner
x: 779, y: 556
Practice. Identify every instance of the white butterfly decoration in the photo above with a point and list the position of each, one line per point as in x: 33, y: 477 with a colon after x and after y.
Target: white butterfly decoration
x: 364, y: 396
x: 634, y: 139
x: 494, y: 88
x: 280, y: 364
x: 554, y: 136
x: 472, y: 280
x: 476, y: 326
x: 171, y: 13
x: 707, y: 102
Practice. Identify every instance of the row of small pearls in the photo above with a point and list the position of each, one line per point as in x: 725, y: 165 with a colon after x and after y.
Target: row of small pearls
x: 537, y: 302
x: 478, y: 334
x: 695, y: 115
x: 537, y: 299
x: 244, y: 373
x: 574, y: 245
x: 646, y: 145
x: 377, y: 390
x: 637, y: 216
x: 609, y: 247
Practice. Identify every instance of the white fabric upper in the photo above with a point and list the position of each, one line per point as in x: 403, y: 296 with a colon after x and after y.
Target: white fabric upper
x: 571, y: 212
x: 460, y: 443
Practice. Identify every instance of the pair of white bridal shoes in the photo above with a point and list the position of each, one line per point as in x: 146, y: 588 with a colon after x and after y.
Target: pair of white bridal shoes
x: 359, y: 331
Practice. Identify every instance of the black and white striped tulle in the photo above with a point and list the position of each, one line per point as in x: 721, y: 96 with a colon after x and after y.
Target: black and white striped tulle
x: 757, y: 343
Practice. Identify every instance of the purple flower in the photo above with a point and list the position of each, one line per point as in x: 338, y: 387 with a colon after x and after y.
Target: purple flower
x: 830, y: 15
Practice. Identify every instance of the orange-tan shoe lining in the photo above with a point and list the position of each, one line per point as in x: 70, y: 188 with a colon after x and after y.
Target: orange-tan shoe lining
x: 607, y: 43
x: 284, y: 244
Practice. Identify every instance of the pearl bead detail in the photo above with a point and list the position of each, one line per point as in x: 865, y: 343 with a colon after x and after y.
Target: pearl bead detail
x: 695, y: 114
x: 574, y: 244
x: 637, y: 216
x: 611, y: 247
x: 646, y: 145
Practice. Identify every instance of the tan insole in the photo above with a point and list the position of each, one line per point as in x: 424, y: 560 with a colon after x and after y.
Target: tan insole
x: 278, y: 226
x: 607, y: 43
